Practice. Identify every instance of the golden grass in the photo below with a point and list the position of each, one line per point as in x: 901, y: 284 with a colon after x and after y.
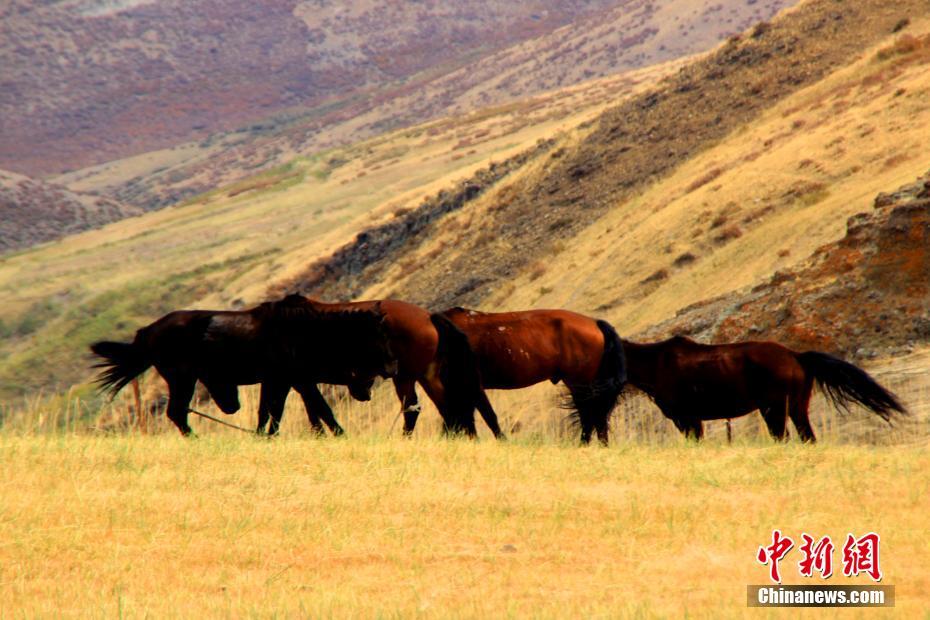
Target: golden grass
x: 234, y: 526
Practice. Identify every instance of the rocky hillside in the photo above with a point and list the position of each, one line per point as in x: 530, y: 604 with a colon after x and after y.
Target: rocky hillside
x: 34, y: 211
x: 874, y: 282
x: 628, y: 149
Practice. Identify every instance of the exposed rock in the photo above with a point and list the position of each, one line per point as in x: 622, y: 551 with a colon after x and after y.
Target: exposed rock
x: 865, y: 294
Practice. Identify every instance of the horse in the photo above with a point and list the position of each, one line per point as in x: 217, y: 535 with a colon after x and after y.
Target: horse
x: 519, y: 349
x: 692, y: 382
x: 430, y: 351
x: 280, y: 344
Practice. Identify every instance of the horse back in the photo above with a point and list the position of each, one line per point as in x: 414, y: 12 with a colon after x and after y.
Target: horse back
x: 518, y: 349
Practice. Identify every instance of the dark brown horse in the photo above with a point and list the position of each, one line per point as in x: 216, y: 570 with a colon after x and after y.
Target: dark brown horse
x: 278, y: 344
x: 519, y: 349
x: 428, y: 350
x: 692, y: 382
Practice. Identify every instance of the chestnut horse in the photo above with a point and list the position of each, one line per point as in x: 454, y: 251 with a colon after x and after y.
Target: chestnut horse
x: 691, y: 382
x: 519, y: 349
x: 278, y: 344
x: 428, y: 350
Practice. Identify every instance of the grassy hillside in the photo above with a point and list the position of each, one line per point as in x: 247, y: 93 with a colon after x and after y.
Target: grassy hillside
x: 239, y: 527
x: 735, y: 127
x: 223, y: 248
x: 761, y: 200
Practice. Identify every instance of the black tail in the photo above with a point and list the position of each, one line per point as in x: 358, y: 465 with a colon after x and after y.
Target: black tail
x: 459, y: 373
x: 844, y: 383
x: 612, y: 372
x: 596, y: 401
x: 122, y: 362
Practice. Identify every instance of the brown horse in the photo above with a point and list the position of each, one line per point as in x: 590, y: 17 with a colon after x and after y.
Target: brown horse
x: 519, y: 349
x: 278, y: 344
x: 429, y: 350
x: 692, y: 382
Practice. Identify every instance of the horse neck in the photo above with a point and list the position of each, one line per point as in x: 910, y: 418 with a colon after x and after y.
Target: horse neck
x: 642, y: 361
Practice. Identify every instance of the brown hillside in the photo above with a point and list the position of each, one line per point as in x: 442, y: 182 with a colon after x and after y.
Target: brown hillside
x: 639, y: 142
x: 34, y: 211
x: 875, y: 283
x: 386, y: 65
x: 106, y: 80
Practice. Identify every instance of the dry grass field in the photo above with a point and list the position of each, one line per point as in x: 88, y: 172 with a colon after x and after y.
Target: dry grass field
x: 234, y: 526
x: 98, y: 518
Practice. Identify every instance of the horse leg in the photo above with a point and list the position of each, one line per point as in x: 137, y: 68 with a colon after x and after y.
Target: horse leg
x: 315, y: 403
x: 306, y: 395
x: 798, y: 409
x: 262, y: 410
x: 407, y: 395
x: 585, y: 416
x: 695, y: 429
x: 691, y: 428
x: 271, y: 405
x: 776, y: 419
x: 489, y: 416
x: 451, y: 424
x: 180, y: 393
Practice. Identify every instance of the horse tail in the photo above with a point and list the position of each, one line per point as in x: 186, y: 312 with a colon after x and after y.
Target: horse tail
x: 612, y: 371
x: 843, y: 383
x: 459, y: 373
x: 122, y: 362
x: 597, y: 400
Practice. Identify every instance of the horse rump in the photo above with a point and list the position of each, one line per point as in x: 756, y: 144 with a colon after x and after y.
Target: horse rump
x: 843, y: 383
x: 122, y: 362
x: 460, y: 375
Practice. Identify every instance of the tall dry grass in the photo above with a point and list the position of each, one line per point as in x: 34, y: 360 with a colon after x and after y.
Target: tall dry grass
x: 534, y: 414
x: 99, y: 517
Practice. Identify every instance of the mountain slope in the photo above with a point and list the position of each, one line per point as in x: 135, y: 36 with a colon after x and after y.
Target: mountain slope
x: 34, y: 211
x: 108, y: 80
x: 295, y: 77
x: 628, y: 149
x: 223, y: 248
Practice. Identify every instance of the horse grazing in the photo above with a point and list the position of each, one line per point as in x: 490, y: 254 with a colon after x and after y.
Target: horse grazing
x: 428, y: 350
x: 519, y: 349
x: 280, y: 344
x: 691, y: 382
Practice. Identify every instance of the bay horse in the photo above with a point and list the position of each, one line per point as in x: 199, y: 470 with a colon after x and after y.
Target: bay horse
x: 280, y: 344
x: 519, y: 349
x: 430, y: 351
x: 692, y: 382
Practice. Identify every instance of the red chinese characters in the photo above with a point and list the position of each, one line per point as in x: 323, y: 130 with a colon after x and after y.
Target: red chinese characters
x: 774, y: 553
x: 817, y: 557
x: 861, y: 556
